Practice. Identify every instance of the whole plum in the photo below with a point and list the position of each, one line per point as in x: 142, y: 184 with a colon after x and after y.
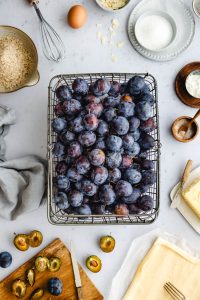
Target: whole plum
x: 146, y: 141
x: 55, y: 286
x: 147, y: 164
x: 61, y: 201
x: 80, y: 86
x: 135, y: 85
x: 63, y: 93
x: 59, y: 110
x: 87, y: 138
x: 149, y: 177
x: 75, y: 198
x: 113, y: 143
x: 77, y: 125
x: 74, y: 150
x: 84, y: 210
x: 58, y: 149
x: 133, y: 197
x: 72, y: 106
x: 115, y: 88
x: 5, y: 259
x: 99, y: 175
x: 134, y: 124
x: 126, y: 109
x: 148, y: 98
x: 62, y: 182
x: 101, y: 87
x: 113, y: 159
x: 61, y: 167
x: 135, y: 150
x: 73, y: 175
x: 97, y: 157
x: 144, y: 110
x: 107, y: 194
x: 114, y: 175
x: 148, y: 125
x: 128, y: 142
x: 145, y: 203
x: 98, y: 209
x: 59, y: 124
x: 123, y: 188
x: 127, y: 161
x: 91, y: 98
x: 88, y: 188
x: 91, y: 122
x: 82, y: 165
x: 102, y: 128
x: 111, y: 101
x: 121, y: 210
x: 120, y: 125
x: 133, y: 176
x: 134, y: 209
x: 109, y: 113
x: 100, y: 143
x: 136, y: 134
x: 67, y: 137
x: 95, y: 108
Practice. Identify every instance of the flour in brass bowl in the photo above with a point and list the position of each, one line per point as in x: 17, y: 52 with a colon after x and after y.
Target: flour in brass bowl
x: 16, y: 63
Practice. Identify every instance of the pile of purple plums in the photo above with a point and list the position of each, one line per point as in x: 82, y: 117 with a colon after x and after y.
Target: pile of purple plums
x: 103, y: 138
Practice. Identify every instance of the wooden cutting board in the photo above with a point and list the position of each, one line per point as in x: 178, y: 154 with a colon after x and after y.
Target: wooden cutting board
x: 56, y: 248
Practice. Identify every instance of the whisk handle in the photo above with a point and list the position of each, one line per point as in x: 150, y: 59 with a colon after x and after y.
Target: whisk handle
x: 31, y: 2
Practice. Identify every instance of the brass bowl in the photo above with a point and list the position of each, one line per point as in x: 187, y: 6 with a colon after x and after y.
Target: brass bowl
x: 33, y: 74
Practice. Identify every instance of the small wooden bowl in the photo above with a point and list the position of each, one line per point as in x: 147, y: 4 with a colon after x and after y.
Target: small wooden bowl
x: 177, y: 124
x: 180, y: 88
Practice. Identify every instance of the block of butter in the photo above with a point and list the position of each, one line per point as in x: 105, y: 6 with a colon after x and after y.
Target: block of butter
x: 191, y: 196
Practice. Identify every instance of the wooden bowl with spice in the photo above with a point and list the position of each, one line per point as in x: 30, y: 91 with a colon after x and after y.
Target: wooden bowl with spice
x: 18, y: 60
x: 113, y: 5
x: 187, y: 135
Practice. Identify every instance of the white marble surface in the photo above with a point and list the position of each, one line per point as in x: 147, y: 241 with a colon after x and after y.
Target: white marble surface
x: 29, y: 135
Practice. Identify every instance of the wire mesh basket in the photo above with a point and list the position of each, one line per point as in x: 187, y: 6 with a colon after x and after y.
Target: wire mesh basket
x: 59, y: 217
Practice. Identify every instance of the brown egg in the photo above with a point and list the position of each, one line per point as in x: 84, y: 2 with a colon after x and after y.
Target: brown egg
x: 77, y: 16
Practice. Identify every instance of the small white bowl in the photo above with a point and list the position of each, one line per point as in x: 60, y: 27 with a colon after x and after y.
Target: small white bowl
x: 112, y: 10
x: 159, y: 13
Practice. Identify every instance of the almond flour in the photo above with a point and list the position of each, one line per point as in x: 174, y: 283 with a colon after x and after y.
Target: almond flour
x: 114, y: 4
x: 16, y: 63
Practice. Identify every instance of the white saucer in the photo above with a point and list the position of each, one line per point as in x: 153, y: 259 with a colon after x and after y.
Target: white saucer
x: 185, y: 26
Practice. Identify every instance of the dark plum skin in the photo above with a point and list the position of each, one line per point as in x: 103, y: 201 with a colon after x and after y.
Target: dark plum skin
x: 91, y: 122
x: 100, y: 143
x: 128, y: 142
x: 134, y: 209
x: 82, y: 165
x: 133, y: 176
x: 120, y: 125
x: 59, y: 124
x: 144, y: 110
x: 84, y: 210
x: 100, y: 87
x: 148, y: 177
x: 75, y: 198
x: 59, y: 110
x: 61, y: 201
x: 148, y: 125
x: 126, y: 109
x: 113, y: 159
x: 78, y: 97
x: 98, y: 209
x: 107, y: 195
x: 143, y: 188
x: 111, y: 101
x: 103, y: 128
x: 114, y: 175
x: 123, y: 188
x: 87, y: 138
x: 91, y: 98
x: 95, y: 108
x: 146, y: 141
x: 143, y: 155
x: 127, y: 161
x: 74, y: 150
x: 147, y: 164
x: 55, y: 286
x: 135, y: 150
x: 58, y: 149
x: 136, y: 134
x: 5, y: 259
x: 63, y: 93
x: 147, y: 97
x: 135, y: 85
x: 72, y: 107
x: 145, y: 203
x: 61, y: 167
x: 109, y: 114
x: 114, y: 143
x: 77, y: 125
x: 99, y: 175
x: 97, y: 157
x: 88, y: 188
x: 80, y: 86
x: 62, y: 182
x: 73, y: 175
x: 115, y: 88
x: 134, y: 124
x: 67, y: 137
x: 121, y: 210
x: 132, y: 199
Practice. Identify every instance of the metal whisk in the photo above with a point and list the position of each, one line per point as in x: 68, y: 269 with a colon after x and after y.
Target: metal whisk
x: 53, y: 46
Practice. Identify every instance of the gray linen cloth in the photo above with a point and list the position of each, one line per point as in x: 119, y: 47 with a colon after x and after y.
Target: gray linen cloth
x: 22, y: 180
